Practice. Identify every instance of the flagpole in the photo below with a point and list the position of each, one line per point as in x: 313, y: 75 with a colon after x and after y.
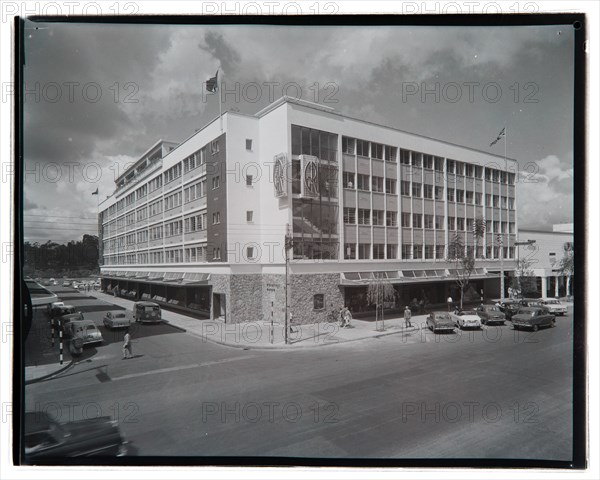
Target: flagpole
x: 220, y: 109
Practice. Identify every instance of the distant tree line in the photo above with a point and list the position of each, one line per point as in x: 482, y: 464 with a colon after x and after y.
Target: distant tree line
x: 52, y: 258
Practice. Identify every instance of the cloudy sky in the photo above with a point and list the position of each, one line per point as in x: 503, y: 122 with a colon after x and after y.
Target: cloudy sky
x: 98, y: 96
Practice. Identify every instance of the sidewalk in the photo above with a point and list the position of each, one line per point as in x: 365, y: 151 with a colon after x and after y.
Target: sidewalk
x: 259, y: 335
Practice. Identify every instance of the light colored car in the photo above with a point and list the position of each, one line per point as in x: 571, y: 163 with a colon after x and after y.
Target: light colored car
x: 86, y: 330
x: 466, y: 320
x: 66, y: 283
x: 437, y: 321
x: 554, y: 306
x: 117, y: 319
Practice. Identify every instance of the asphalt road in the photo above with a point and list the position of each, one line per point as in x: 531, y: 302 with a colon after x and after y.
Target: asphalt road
x: 494, y: 393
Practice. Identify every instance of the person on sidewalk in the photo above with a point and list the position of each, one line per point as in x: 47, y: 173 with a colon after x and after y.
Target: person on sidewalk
x: 407, y: 317
x: 127, y: 353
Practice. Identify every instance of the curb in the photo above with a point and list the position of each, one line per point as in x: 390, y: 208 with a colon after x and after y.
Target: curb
x: 292, y: 346
x: 50, y: 375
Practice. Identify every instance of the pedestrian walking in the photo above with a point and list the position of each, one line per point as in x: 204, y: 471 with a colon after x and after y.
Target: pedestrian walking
x: 449, y: 303
x: 127, y: 353
x: 407, y: 317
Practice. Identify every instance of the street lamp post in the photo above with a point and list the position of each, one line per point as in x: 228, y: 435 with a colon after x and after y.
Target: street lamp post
x: 500, y: 242
x: 288, y: 244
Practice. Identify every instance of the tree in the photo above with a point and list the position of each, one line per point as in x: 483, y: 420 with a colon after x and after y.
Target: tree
x: 464, y: 264
x: 478, y: 232
x: 566, y: 266
x: 379, y: 291
x: 524, y: 281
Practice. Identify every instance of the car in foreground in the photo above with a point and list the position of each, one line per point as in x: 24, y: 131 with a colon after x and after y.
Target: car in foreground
x: 465, y: 319
x: 533, y: 318
x: 86, y: 330
x: 440, y: 321
x: 45, y: 438
x: 490, y: 314
x: 555, y: 306
x: 117, y: 319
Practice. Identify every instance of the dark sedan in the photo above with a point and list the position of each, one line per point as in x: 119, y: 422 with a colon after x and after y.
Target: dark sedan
x: 46, y: 438
x: 533, y: 318
x: 440, y: 321
x: 490, y: 314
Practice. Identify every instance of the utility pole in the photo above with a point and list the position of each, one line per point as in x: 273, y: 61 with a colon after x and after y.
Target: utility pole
x: 288, y: 244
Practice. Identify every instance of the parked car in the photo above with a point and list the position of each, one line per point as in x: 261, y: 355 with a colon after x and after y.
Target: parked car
x: 44, y: 437
x: 465, y: 319
x: 439, y: 321
x: 146, y: 312
x: 65, y: 321
x: 534, y: 318
x: 54, y: 305
x: 555, y: 306
x: 66, y: 283
x: 61, y: 310
x: 117, y: 319
x: 531, y: 302
x: 86, y: 330
x: 490, y: 314
x: 510, y: 308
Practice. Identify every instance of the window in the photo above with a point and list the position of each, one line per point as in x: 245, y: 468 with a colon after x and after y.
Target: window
x: 173, y: 201
x: 250, y: 253
x: 362, y: 182
x: 428, y: 221
x: 428, y: 191
x: 417, y: 251
x: 450, y: 194
x: 417, y: 220
x: 417, y: 159
x: 503, y: 202
x: 405, y: 219
x: 172, y: 173
x: 488, y: 199
x: 392, y: 251
x: 348, y: 145
x: 511, y: 203
x: 349, y: 215
x: 405, y: 188
x: 460, y: 223
x: 511, y: 227
x: 451, y: 223
x: 349, y: 180
x: 406, y: 252
x: 377, y: 217
x: 391, y: 219
x: 428, y: 161
x: 460, y: 196
x: 470, y: 224
x: 378, y: 251
x: 496, y: 200
x: 377, y: 184
x: 377, y: 150
x: 390, y: 185
x: 350, y: 251
x: 511, y: 179
x: 451, y: 166
x: 390, y: 153
x: 216, y: 182
x: 362, y: 148
x: 248, y: 144
x: 216, y: 218
x: 248, y: 180
x: 469, y: 197
x: 439, y: 251
x: 364, y: 251
x: 405, y: 157
x: 428, y: 252
x: 216, y: 253
x: 318, y: 301
x: 439, y: 164
x: 416, y: 189
x: 503, y: 227
x: 460, y: 168
x: 214, y: 147
x: 496, y: 226
x: 439, y: 193
x: 249, y: 215
x: 478, y: 198
x: 469, y: 170
x: 364, y: 216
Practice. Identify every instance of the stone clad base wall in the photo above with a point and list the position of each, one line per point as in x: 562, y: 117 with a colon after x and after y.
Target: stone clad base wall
x: 304, y: 287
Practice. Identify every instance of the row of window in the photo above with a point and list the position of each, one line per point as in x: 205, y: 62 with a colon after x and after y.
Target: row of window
x: 192, y: 254
x: 380, y: 251
x: 364, y: 216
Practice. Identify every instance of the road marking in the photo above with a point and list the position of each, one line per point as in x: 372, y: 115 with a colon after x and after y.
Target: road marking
x: 181, y: 367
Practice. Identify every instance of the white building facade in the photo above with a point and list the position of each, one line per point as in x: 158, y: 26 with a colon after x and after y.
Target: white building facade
x: 201, y: 226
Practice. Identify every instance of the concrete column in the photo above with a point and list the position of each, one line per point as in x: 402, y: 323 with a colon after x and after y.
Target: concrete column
x: 544, y: 286
x: 556, y: 279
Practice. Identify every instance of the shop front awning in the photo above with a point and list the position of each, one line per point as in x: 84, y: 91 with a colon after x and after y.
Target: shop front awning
x: 409, y: 276
x: 161, y: 278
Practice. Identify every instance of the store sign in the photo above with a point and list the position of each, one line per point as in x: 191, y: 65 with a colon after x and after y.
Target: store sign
x: 309, y: 166
x: 279, y: 175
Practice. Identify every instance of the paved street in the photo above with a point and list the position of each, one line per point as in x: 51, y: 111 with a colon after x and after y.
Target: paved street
x: 494, y: 393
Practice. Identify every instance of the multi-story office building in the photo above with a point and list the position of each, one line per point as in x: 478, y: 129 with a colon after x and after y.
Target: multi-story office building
x: 201, y: 226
